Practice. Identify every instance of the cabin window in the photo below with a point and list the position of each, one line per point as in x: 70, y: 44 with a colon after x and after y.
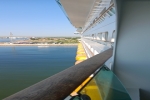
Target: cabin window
x: 105, y: 36
x: 92, y: 36
x: 99, y: 21
x: 102, y: 18
x: 112, y: 10
x: 104, y: 15
x: 99, y: 36
x: 113, y: 36
x: 109, y: 13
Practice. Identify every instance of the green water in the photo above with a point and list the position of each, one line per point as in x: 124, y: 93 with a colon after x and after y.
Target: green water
x: 21, y: 67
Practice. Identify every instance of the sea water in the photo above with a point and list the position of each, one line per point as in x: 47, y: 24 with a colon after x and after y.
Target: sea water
x: 4, y: 40
x: 22, y: 66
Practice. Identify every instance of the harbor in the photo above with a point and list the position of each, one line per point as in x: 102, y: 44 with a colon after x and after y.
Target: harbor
x: 39, y: 41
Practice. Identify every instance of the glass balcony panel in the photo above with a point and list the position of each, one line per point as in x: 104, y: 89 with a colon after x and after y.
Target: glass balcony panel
x: 104, y: 86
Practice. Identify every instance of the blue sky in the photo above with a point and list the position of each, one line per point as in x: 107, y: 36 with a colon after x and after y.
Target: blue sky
x: 33, y: 18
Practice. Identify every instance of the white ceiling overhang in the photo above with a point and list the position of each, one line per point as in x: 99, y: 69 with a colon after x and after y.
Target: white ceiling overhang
x: 82, y: 13
x: 77, y: 11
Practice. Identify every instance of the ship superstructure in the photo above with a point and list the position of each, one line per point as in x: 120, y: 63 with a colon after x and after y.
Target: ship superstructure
x: 123, y: 26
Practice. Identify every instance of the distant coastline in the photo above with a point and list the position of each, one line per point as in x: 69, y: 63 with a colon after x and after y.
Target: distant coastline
x: 38, y: 44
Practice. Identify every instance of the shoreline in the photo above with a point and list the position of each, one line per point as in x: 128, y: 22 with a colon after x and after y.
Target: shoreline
x: 39, y: 44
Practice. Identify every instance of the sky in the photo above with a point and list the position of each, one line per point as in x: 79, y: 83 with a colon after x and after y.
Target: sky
x: 33, y: 18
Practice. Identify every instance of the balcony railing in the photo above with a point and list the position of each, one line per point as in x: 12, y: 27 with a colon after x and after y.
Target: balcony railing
x: 60, y: 85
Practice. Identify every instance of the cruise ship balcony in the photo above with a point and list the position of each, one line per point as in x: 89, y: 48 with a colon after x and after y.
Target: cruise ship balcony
x: 115, y: 36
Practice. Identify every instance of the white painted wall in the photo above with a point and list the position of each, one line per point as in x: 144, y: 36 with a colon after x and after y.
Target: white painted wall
x: 132, y: 56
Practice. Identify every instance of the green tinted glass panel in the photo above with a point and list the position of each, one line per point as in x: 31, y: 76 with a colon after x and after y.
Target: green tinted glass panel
x: 104, y: 86
x: 110, y: 87
x: 112, y: 10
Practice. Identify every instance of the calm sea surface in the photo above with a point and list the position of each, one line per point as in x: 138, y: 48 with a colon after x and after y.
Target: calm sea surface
x: 23, y: 66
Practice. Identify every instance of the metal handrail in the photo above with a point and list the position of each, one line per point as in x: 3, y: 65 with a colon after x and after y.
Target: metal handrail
x: 60, y: 85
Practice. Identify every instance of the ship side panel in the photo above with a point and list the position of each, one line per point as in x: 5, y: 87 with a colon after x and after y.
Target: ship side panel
x: 132, y: 57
